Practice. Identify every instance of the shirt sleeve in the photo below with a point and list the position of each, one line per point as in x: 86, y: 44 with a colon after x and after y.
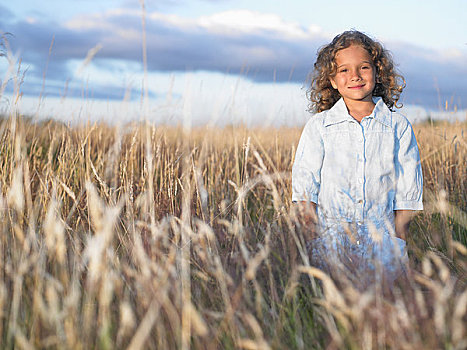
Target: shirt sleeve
x: 306, y: 170
x: 409, y: 178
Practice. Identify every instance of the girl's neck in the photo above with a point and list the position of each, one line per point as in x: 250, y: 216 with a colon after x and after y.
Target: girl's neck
x: 359, y: 110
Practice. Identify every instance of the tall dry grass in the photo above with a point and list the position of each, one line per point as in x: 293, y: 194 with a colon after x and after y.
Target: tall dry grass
x: 150, y: 237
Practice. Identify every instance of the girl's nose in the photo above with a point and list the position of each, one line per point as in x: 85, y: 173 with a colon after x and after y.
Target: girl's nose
x: 355, y: 75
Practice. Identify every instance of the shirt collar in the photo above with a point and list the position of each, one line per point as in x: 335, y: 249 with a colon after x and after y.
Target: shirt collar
x: 339, y: 113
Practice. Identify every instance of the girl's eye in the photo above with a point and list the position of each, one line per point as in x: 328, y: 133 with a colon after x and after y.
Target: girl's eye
x: 343, y: 70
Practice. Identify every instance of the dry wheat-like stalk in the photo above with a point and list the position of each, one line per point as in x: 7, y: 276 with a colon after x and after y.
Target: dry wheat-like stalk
x: 158, y: 237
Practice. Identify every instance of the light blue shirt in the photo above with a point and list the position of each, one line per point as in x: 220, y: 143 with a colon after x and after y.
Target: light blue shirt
x: 357, y: 171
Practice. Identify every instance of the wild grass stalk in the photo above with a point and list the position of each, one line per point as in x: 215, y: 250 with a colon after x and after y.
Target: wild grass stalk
x: 160, y: 237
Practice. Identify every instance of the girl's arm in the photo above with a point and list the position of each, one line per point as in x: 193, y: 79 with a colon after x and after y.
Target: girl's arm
x: 409, y: 186
x: 306, y: 169
x: 402, y: 219
x: 409, y: 178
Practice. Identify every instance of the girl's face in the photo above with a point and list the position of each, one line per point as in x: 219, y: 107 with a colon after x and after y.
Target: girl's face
x: 355, y: 76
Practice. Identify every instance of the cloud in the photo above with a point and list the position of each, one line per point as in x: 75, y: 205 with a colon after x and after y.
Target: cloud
x: 231, y: 41
x: 262, y: 47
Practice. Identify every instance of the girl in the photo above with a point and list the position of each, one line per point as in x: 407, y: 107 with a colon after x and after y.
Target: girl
x: 357, y: 173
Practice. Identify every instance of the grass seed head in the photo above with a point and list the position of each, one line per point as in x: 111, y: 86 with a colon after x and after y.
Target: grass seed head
x: 15, y: 195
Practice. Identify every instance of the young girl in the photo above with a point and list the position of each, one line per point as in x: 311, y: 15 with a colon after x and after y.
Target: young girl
x: 357, y: 173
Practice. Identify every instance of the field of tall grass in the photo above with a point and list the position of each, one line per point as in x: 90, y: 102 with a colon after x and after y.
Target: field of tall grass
x: 153, y: 237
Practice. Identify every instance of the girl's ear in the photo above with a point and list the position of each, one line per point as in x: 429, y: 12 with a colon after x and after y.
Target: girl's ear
x: 333, y: 82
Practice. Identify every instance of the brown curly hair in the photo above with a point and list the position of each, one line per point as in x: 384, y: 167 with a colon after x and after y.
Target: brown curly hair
x: 389, y: 84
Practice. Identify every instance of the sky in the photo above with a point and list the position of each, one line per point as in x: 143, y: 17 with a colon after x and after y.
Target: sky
x: 215, y: 60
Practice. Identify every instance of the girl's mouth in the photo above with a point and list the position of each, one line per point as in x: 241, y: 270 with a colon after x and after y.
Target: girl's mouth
x: 356, y: 87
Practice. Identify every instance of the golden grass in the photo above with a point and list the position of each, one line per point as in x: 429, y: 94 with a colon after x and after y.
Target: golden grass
x: 154, y: 237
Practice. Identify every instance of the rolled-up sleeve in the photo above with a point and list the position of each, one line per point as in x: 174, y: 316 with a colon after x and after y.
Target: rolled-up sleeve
x: 306, y: 170
x: 409, y: 178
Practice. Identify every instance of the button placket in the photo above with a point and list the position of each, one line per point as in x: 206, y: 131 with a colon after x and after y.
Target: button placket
x: 361, y: 173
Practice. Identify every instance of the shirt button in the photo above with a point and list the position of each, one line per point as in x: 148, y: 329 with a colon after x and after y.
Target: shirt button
x: 360, y: 181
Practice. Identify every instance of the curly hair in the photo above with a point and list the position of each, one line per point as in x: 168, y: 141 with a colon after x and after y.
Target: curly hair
x: 389, y: 84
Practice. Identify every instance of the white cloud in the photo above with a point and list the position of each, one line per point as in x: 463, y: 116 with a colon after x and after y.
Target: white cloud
x: 453, y: 53
x: 245, y: 21
x: 107, y: 22
x: 265, y: 45
x: 31, y: 20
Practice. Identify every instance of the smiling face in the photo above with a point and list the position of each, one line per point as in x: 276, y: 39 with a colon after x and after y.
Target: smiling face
x: 355, y: 75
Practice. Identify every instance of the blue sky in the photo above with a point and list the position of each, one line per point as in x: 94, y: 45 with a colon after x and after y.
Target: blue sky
x: 246, y: 54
